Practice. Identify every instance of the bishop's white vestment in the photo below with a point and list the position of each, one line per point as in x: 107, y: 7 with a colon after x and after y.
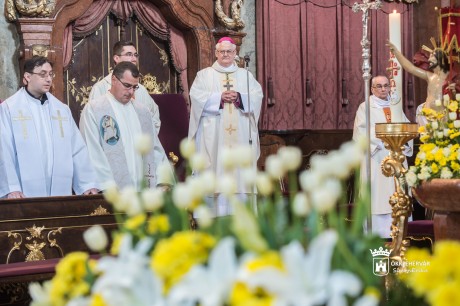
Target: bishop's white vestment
x: 141, y: 96
x: 214, y: 128
x: 110, y: 129
x: 382, y: 187
x: 42, y: 149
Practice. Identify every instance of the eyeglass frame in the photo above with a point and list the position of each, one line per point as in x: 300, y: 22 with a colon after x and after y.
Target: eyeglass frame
x: 128, y: 86
x: 223, y: 52
x: 130, y: 54
x: 43, y: 75
x: 380, y: 86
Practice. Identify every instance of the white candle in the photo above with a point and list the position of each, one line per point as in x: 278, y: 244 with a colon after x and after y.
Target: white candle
x: 396, y: 82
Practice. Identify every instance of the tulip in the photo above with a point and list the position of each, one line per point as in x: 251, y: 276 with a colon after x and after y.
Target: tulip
x: 96, y: 238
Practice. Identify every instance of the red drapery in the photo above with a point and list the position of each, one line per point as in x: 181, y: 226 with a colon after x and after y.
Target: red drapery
x: 147, y: 13
x: 309, y: 61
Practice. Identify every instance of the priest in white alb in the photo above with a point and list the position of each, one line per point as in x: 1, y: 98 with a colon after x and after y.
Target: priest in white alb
x: 42, y: 151
x: 225, y: 110
x: 112, y: 123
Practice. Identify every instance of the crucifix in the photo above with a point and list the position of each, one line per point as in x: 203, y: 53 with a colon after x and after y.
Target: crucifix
x: 230, y: 129
x: 23, y: 120
x: 366, y: 67
x: 60, y: 119
x: 227, y: 85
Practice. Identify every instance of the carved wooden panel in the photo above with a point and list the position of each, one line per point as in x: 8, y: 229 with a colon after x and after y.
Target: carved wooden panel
x: 92, y: 61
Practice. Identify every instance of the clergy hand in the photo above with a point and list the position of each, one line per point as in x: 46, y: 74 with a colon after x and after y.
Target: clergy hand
x: 392, y: 46
x: 229, y: 96
x: 15, y: 195
x: 91, y: 191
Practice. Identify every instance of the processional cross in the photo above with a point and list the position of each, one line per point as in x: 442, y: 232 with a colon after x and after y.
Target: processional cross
x: 23, y: 120
x: 366, y: 67
x: 60, y: 119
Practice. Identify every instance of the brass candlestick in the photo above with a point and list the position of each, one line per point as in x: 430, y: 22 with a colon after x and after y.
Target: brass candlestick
x: 394, y: 136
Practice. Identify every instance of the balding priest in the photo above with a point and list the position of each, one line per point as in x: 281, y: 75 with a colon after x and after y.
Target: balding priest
x: 224, y: 113
x: 42, y: 151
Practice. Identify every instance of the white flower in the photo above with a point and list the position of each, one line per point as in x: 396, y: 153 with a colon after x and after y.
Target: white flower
x: 446, y: 99
x: 152, y: 198
x: 182, y: 195
x: 208, y: 285
x: 40, y: 294
x: 457, y: 97
x: 249, y: 176
x: 208, y: 181
x: 439, y: 134
x: 291, y: 157
x: 143, y: 144
x: 342, y: 283
x: 446, y: 173
x: 264, y: 184
x: 411, y: 178
x: 310, y: 180
x: 446, y: 151
x: 300, y: 205
x: 421, y: 156
x: 228, y: 159
x: 435, y: 125
x: 353, y: 153
x: 424, y: 175
x: 325, y: 198
x: 198, y: 162
x: 111, y: 193
x: 196, y: 187
x: 187, y: 148
x: 204, y: 216
x: 452, y: 116
x: 128, y: 279
x: 457, y: 124
x: 227, y: 185
x: 129, y: 201
x: 367, y: 300
x: 446, y: 132
x: 247, y: 229
x: 165, y: 173
x: 243, y: 156
x: 96, y: 238
x: 437, y: 102
x: 305, y: 279
x: 337, y: 165
x: 274, y: 166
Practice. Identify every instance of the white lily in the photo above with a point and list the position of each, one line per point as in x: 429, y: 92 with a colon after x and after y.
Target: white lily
x: 305, y: 279
x: 128, y: 279
x: 208, y: 285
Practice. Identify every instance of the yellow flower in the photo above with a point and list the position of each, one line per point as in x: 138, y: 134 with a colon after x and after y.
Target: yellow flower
x: 97, y: 300
x: 446, y: 295
x: 243, y: 295
x: 453, y: 106
x: 434, y: 168
x: 115, y: 248
x: 158, y: 224
x: 69, y: 281
x: 135, y: 222
x: 173, y: 257
x: 421, y: 129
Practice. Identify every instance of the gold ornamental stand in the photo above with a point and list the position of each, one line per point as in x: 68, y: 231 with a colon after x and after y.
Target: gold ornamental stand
x: 394, y: 136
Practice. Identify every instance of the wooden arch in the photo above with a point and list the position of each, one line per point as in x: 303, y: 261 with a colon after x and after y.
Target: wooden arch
x: 193, y: 18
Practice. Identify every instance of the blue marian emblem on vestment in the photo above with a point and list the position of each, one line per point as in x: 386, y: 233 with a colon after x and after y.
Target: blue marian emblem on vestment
x: 109, y: 130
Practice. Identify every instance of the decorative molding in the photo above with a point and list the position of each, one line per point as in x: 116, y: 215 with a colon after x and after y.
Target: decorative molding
x: 404, y: 1
x: 100, y: 211
x: 234, y: 23
x: 15, y: 9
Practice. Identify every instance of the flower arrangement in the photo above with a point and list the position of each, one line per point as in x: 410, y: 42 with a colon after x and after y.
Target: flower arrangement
x: 295, y: 249
x: 439, y: 154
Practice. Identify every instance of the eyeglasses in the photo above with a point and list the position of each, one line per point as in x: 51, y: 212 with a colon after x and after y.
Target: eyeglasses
x: 128, y: 86
x: 44, y: 74
x: 380, y: 86
x: 130, y: 54
x: 223, y: 52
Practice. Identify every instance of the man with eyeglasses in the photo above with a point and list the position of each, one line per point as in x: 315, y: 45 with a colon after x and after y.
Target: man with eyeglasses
x: 125, y: 51
x: 43, y: 153
x: 112, y: 123
x: 382, y: 187
x: 222, y: 117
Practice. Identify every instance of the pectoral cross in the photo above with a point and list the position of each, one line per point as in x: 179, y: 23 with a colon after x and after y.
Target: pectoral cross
x: 230, y: 129
x: 60, y: 119
x: 22, y: 118
x: 228, y: 86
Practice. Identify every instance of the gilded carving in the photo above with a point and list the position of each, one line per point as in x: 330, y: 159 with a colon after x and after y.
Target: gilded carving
x: 16, y: 244
x: 35, y: 253
x: 17, y: 293
x: 234, y: 22
x: 53, y: 242
x: 28, y: 8
x: 35, y: 232
x: 150, y: 83
x: 173, y: 158
x: 100, y: 211
x: 164, y: 57
x: 40, y: 50
x: 81, y: 94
